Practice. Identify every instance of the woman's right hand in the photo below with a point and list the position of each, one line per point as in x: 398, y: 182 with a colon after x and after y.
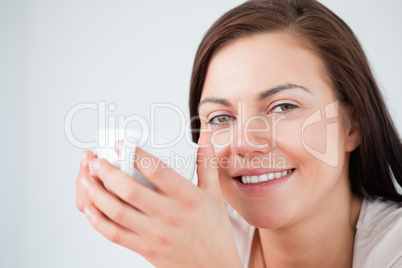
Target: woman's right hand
x: 82, y: 199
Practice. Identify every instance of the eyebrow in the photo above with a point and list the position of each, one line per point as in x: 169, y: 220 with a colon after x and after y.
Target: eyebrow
x: 260, y: 97
x: 224, y: 102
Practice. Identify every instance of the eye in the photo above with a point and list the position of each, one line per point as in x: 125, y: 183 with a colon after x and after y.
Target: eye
x: 283, y: 107
x: 220, y: 119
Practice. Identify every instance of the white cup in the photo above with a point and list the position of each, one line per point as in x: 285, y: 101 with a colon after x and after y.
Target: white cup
x: 178, y: 154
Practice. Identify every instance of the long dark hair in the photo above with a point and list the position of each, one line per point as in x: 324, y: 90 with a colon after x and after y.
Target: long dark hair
x: 379, y: 156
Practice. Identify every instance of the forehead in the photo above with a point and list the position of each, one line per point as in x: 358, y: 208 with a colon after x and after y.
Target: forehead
x: 261, y: 61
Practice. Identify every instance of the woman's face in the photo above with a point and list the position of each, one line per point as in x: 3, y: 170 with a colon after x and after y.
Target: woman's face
x: 282, y: 143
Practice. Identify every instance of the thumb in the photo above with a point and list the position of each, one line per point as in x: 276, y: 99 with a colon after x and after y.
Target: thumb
x: 207, y: 164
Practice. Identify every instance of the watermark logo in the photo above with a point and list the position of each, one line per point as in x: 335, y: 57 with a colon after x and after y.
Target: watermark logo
x: 121, y: 122
x: 245, y: 131
x: 331, y: 154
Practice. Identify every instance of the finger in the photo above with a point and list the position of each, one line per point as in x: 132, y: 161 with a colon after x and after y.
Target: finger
x: 167, y: 180
x: 112, y: 231
x: 125, y: 187
x: 149, y: 166
x: 114, y: 208
x: 118, y: 147
x: 81, y: 199
x: 207, y: 164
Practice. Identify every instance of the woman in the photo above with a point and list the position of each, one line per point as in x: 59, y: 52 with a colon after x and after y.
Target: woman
x: 283, y: 96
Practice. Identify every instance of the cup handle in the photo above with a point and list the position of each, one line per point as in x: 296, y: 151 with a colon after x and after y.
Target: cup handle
x: 127, y: 163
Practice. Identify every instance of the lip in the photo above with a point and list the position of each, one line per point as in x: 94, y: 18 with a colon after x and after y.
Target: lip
x: 262, y: 187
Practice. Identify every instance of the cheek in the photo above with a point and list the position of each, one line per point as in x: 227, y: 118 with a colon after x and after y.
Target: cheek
x: 222, y: 139
x: 304, y: 141
x: 222, y: 148
x: 315, y: 153
x: 287, y: 140
x: 323, y: 141
x: 318, y: 170
x: 314, y: 137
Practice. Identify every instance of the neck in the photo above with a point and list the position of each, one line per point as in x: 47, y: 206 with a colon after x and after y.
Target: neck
x: 323, y: 239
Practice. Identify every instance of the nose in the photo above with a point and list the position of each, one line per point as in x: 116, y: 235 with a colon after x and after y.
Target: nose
x: 252, y: 137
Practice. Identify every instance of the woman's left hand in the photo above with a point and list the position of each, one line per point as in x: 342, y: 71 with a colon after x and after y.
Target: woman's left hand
x: 179, y: 225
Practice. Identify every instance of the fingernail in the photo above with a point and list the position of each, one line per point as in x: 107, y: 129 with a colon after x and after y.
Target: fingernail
x: 119, y: 145
x: 96, y: 164
x: 84, y: 159
x: 91, y: 169
x: 85, y: 182
x: 88, y: 212
x: 93, y: 166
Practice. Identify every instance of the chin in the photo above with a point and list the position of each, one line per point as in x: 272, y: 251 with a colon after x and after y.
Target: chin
x: 273, y: 217
x: 268, y: 222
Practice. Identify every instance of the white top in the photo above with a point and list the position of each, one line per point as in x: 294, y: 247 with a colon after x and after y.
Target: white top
x: 378, y: 240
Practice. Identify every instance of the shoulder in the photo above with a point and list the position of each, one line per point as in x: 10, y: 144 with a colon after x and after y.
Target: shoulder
x: 378, y: 240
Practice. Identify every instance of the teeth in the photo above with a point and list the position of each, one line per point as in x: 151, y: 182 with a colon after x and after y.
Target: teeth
x: 264, y: 177
x: 254, y: 179
x: 243, y: 179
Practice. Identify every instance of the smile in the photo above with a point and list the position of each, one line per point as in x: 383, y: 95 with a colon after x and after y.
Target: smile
x: 264, y: 177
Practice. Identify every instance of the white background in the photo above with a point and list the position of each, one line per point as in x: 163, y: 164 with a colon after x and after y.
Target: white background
x: 57, y: 54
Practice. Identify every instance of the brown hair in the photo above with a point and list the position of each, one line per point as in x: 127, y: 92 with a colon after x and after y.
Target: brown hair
x: 379, y: 156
